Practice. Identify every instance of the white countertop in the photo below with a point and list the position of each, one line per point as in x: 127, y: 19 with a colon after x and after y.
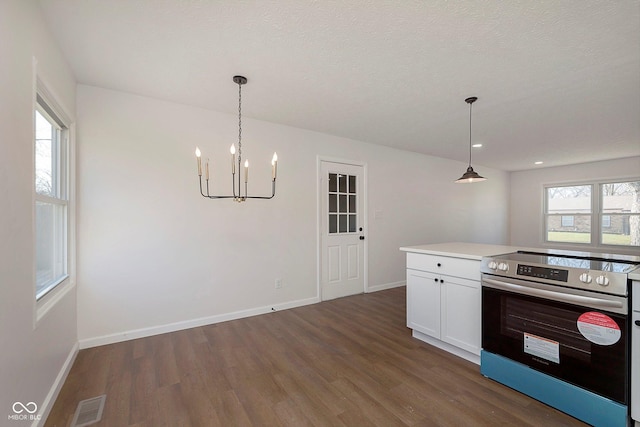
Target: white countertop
x: 461, y: 250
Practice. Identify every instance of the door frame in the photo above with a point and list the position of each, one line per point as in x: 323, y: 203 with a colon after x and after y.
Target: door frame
x: 365, y: 217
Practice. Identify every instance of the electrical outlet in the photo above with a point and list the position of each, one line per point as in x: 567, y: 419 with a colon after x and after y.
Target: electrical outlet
x: 278, y: 283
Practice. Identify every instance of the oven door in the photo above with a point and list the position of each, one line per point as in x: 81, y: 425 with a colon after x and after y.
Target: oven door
x: 576, y: 336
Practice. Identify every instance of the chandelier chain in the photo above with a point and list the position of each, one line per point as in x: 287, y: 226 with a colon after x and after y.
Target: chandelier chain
x: 239, y: 123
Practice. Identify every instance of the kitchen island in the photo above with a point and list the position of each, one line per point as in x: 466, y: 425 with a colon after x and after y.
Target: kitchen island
x: 444, y: 294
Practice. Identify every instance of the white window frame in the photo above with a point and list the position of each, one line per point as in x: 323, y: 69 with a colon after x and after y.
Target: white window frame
x: 43, y: 95
x: 596, y: 214
x: 546, y: 215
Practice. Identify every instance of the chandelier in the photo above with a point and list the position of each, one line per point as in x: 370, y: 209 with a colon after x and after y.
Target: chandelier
x: 237, y: 184
x: 470, y: 175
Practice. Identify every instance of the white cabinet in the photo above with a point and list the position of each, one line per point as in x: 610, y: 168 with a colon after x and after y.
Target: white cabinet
x: 460, y: 315
x: 443, y: 302
x: 423, y: 302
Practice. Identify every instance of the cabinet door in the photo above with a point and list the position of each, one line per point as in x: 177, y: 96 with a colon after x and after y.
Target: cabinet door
x: 423, y: 302
x: 461, y: 318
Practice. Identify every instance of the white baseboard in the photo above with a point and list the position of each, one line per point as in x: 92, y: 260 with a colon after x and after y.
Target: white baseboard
x: 384, y: 286
x: 51, y: 397
x: 194, y: 323
x: 471, y: 357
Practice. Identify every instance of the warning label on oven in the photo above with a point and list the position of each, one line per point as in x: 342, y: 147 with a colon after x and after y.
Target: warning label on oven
x: 599, y: 328
x: 542, y: 347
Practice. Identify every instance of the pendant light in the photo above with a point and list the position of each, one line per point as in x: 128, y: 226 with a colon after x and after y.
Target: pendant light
x: 470, y: 175
x: 236, y: 163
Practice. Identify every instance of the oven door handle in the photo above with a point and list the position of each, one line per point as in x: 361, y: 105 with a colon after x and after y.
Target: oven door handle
x: 556, y: 296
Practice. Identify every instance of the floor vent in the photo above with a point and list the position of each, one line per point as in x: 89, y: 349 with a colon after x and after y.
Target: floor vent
x: 89, y: 411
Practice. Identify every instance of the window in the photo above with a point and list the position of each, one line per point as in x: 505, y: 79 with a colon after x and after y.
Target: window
x: 342, y: 204
x: 568, y: 214
x: 51, y: 150
x: 567, y: 221
x: 620, y: 212
x: 599, y: 213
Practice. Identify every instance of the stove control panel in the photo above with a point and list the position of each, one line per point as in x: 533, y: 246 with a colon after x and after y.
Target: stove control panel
x: 548, y: 273
x: 567, y: 271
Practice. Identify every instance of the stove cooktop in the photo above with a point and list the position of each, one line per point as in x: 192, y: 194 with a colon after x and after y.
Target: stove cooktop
x: 583, y: 263
x: 576, y: 270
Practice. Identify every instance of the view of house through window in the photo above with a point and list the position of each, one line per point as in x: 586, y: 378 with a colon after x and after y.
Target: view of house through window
x: 620, y: 213
x: 569, y: 214
x: 606, y: 213
x: 51, y: 199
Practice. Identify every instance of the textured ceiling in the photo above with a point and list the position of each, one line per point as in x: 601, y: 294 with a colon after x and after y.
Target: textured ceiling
x: 557, y: 81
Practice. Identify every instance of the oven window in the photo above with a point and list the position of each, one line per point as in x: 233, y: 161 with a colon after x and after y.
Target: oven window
x: 524, y: 319
x: 555, y: 345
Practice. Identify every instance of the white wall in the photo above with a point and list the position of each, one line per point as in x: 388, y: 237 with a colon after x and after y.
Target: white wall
x: 152, y: 251
x: 527, y: 197
x: 31, y: 357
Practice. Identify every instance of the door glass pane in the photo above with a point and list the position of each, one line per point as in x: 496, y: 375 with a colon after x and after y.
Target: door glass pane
x: 342, y: 183
x: 333, y: 224
x: 343, y: 203
x: 343, y: 224
x: 342, y: 200
x: 333, y: 182
x: 333, y: 203
x: 352, y: 204
x: 352, y: 224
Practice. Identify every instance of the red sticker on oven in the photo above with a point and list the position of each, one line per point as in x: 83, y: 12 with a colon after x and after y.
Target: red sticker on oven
x: 599, y: 328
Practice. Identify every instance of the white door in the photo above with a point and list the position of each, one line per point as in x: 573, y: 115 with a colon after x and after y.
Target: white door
x: 342, y: 234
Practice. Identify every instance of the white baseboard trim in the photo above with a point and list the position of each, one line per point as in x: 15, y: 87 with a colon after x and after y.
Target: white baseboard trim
x: 471, y: 357
x: 51, y: 397
x: 384, y: 286
x: 194, y: 323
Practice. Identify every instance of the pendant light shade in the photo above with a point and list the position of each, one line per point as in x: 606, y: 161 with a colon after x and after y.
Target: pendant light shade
x: 470, y: 175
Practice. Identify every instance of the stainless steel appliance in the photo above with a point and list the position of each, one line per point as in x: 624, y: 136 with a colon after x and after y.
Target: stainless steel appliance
x: 556, y: 326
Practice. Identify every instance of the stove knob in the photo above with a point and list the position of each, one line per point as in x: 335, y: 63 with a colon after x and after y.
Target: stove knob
x: 602, y: 281
x: 492, y: 265
x: 503, y: 266
x: 585, y: 278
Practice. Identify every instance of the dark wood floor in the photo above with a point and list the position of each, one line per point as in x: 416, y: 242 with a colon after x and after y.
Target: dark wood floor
x: 346, y: 362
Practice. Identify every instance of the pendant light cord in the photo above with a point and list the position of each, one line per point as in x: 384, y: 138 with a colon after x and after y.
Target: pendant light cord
x: 470, y: 107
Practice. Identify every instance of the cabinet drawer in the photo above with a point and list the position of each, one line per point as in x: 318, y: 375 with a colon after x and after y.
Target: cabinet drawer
x: 458, y: 267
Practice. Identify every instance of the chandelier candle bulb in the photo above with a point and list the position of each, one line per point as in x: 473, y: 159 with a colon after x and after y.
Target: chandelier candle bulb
x: 246, y: 171
x: 274, y: 166
x: 198, y: 154
x: 207, y: 170
x: 233, y: 159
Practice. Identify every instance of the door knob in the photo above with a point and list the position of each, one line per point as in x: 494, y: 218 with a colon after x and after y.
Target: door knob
x: 637, y: 322
x: 361, y: 237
